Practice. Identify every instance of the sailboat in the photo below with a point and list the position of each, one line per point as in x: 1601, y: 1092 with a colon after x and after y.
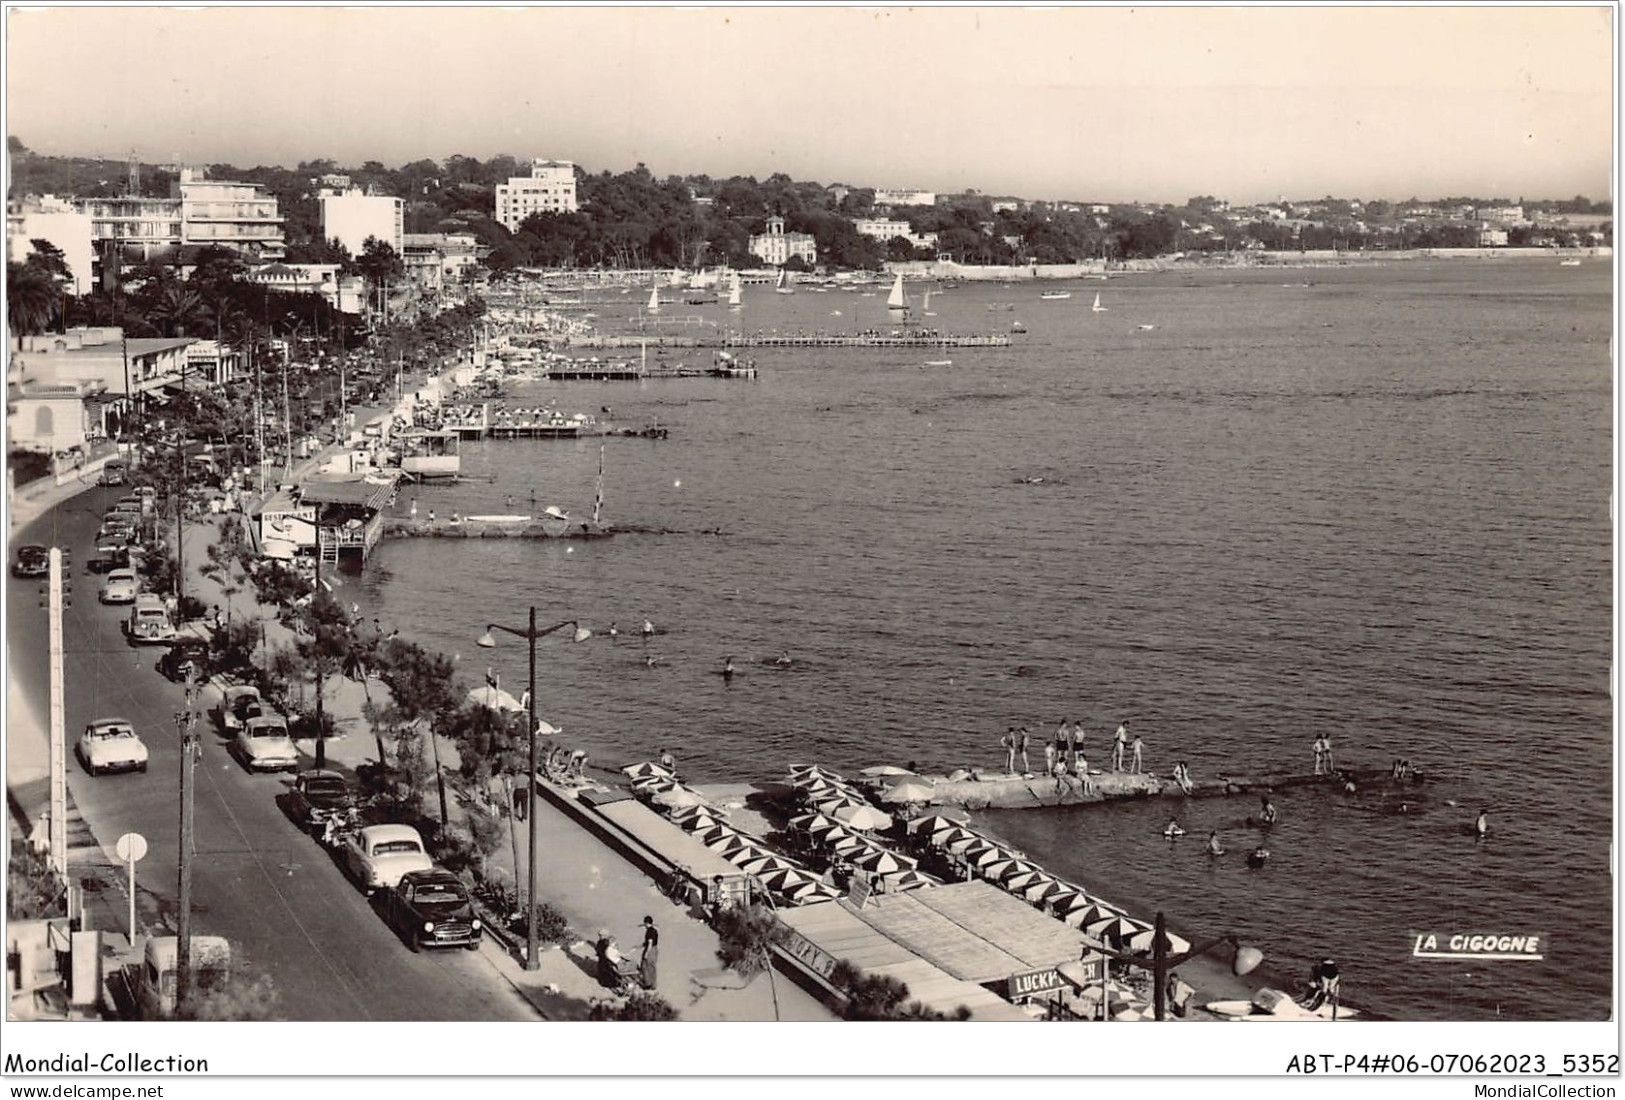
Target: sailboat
x: 654, y: 300
x: 897, y: 300
x: 1097, y: 307
x: 733, y: 293
x: 784, y: 286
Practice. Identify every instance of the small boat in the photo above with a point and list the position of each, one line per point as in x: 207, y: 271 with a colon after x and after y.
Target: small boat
x: 654, y: 300
x: 939, y: 362
x: 1017, y: 326
x: 1055, y: 295
x: 784, y: 286
x: 1147, y: 328
x: 1568, y: 263
x: 1097, y: 307
x: 897, y: 300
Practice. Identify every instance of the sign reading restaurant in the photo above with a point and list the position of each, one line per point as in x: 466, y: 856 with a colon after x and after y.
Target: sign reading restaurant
x: 1033, y: 982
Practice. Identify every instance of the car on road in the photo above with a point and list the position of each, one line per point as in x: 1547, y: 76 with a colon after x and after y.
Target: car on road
x: 378, y: 855
x: 31, y: 561
x: 432, y: 909
x: 237, y: 703
x: 112, y: 552
x: 317, y: 795
x: 113, y: 474
x: 120, y: 586
x: 149, y: 622
x: 186, y: 659
x: 263, y: 744
x: 111, y: 745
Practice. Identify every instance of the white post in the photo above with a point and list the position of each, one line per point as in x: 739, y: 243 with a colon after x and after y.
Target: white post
x: 59, y: 742
x: 132, y: 900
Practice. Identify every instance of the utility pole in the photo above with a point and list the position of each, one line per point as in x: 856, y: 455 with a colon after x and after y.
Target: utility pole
x: 321, y: 736
x: 180, y: 515
x: 185, y: 726
x: 59, y: 734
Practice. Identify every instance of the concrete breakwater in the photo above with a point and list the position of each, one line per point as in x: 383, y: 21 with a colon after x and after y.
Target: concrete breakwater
x: 805, y: 340
x: 998, y: 790
x: 482, y: 527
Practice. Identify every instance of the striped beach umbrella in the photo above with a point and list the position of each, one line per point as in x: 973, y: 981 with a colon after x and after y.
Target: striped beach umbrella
x: 981, y: 855
x: 725, y: 846
x: 782, y: 879
x: 646, y: 770
x: 1040, y: 891
x: 1141, y: 943
x: 909, y: 879
x: 686, y: 815
x: 719, y: 830
x: 811, y: 892
x: 1114, y: 930
x: 910, y: 790
x: 960, y: 844
x: 764, y: 862
x: 1066, y: 894
x: 879, y: 861
x: 1091, y: 911
x: 847, y: 844
x: 999, y: 870
x: 930, y: 824
x: 1015, y: 884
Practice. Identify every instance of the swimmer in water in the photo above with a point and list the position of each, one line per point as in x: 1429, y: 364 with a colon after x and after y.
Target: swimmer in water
x: 1266, y: 811
x: 783, y: 660
x: 1173, y: 830
x: 651, y: 661
x: 1214, y: 848
x: 614, y: 632
x: 648, y: 630
x: 1260, y: 856
x: 1482, y: 825
x: 728, y: 668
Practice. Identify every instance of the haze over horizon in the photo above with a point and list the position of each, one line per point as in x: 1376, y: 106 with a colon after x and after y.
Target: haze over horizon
x: 1096, y: 104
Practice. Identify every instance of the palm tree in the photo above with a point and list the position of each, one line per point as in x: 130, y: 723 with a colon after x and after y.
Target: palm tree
x: 31, y: 299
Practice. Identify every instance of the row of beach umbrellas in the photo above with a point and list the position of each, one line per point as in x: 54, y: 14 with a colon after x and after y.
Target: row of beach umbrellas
x: 1067, y: 902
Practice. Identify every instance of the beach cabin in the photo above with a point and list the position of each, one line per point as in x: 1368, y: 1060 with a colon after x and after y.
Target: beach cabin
x: 349, y: 517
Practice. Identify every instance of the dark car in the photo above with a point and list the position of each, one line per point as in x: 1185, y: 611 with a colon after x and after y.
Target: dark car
x: 109, y: 556
x: 431, y: 909
x: 113, y: 474
x: 318, y: 795
x: 31, y: 561
x: 186, y: 659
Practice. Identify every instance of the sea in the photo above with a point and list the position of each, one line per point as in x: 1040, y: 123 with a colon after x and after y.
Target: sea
x: 1240, y: 508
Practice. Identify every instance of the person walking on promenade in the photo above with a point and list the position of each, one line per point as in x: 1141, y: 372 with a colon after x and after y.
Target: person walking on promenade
x: 651, y: 953
x: 1021, y: 748
x: 1008, y: 744
x: 1139, y: 750
x: 1119, y: 746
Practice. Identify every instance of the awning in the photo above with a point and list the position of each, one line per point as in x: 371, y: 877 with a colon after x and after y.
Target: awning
x: 366, y: 494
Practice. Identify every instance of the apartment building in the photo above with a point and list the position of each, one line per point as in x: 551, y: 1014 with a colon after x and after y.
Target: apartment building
x: 549, y: 189
x: 233, y: 215
x: 351, y: 215
x: 904, y: 196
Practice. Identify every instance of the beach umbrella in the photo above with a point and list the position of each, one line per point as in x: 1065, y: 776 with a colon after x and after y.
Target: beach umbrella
x: 678, y: 796
x: 984, y: 854
x: 1015, y: 884
x: 880, y: 862
x: 811, y: 890
x: 1114, y: 929
x: 725, y: 845
x: 801, y: 770
x: 1039, y: 891
x: 1141, y: 943
x: 1091, y: 912
x: 836, y: 802
x: 885, y: 771
x: 645, y: 770
x: 824, y: 826
x: 862, y: 817
x: 930, y: 825
x: 945, y: 839
x: 999, y: 870
x: 782, y: 879
x: 805, y: 822
x: 908, y: 791
x: 717, y: 831
x: 966, y: 840
x: 846, y: 844
x: 685, y: 814
x: 909, y: 879
x: 653, y: 784
x: 1067, y: 893
x: 763, y: 863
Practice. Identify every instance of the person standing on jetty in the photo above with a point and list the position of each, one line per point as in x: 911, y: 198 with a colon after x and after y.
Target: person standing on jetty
x: 1021, y: 747
x: 1008, y: 744
x: 1074, y: 744
x: 1139, y: 757
x: 1119, y: 747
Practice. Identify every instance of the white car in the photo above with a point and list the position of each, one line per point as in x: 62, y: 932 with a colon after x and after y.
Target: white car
x: 379, y: 855
x: 120, y: 586
x: 264, y: 745
x: 111, y: 745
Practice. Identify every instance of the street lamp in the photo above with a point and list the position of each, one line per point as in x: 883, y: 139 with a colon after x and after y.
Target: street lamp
x: 487, y: 640
x: 1245, y: 962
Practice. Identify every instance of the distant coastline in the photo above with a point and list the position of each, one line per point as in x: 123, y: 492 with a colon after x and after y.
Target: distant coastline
x: 947, y: 269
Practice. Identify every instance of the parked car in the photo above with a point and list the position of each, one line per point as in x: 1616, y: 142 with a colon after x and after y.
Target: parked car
x: 316, y: 796
x: 263, y: 744
x: 111, y: 745
x: 120, y: 586
x: 378, y: 855
x: 113, y: 473
x: 31, y: 561
x: 149, y: 622
x: 186, y: 659
x: 112, y: 552
x: 432, y: 909
x: 237, y: 702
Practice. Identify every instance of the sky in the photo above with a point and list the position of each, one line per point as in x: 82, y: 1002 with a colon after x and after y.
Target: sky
x: 1111, y: 104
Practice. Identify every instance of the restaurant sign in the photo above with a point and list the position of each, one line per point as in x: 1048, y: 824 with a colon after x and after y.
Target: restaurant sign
x: 817, y: 959
x: 1034, y: 982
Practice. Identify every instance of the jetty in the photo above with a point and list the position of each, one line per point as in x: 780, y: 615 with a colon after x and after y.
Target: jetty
x: 486, y: 527
x: 994, y: 789
x: 792, y: 340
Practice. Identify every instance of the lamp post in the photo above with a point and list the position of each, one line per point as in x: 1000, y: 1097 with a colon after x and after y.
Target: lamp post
x: 1245, y: 962
x: 487, y: 640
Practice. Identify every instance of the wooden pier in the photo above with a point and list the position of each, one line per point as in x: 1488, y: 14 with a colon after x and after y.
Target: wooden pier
x: 991, y: 789
x: 855, y: 340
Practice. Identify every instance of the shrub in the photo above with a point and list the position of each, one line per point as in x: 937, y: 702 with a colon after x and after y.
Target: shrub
x: 640, y: 1005
x: 33, y: 892
x: 746, y: 935
x: 551, y: 925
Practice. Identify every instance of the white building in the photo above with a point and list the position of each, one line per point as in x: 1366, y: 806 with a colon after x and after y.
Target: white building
x: 345, y: 293
x: 549, y: 189
x: 884, y: 229
x: 48, y: 218
x: 904, y: 196
x: 351, y: 216
x: 776, y: 246
x: 233, y: 215
x: 432, y: 259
